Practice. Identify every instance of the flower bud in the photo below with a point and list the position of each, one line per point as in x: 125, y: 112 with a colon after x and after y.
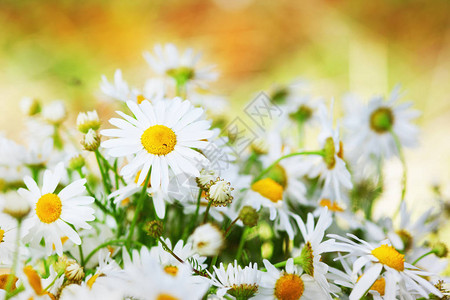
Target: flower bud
x: 74, y: 272
x: 91, y: 140
x: 154, y: 228
x: 55, y: 112
x: 440, y: 249
x: 76, y: 162
x: 88, y: 120
x: 249, y: 216
x: 30, y: 106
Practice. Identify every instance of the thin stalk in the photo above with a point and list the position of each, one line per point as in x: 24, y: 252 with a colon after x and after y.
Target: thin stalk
x: 242, y: 243
x: 422, y: 256
x: 113, y: 242
x: 403, y: 161
x: 102, y: 172
x: 139, y: 207
x: 205, y: 219
x: 194, y: 217
x: 231, y: 225
x: 11, y: 276
x: 265, y: 171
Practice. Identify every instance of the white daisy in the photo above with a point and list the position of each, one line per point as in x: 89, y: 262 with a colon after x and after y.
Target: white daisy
x: 288, y: 284
x: 119, y: 90
x: 330, y: 168
x: 8, y: 231
x: 182, y: 67
x: 207, y: 240
x: 374, y: 260
x: 237, y: 281
x: 184, y: 252
x: 52, y: 212
x: 370, y: 126
x: 162, y: 135
x: 312, y: 249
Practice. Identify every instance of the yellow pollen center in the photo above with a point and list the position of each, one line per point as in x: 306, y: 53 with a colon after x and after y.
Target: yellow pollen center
x: 333, y: 206
x: 269, y: 189
x: 379, y: 286
x: 140, y: 98
x: 387, y: 255
x: 4, y: 281
x: 34, y: 280
x: 48, y: 208
x: 171, y: 270
x: 166, y: 297
x: 2, y: 235
x: 289, y: 287
x: 159, y: 140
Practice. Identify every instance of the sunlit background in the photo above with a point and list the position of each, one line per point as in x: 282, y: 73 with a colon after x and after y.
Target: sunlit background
x: 58, y: 49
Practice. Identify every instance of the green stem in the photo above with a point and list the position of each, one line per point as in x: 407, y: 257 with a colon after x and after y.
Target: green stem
x: 281, y: 264
x: 11, y: 276
x: 404, y: 176
x: 102, y: 172
x: 54, y: 280
x: 139, y: 207
x: 194, y: 217
x: 231, y: 225
x: 422, y: 256
x: 242, y: 243
x: 213, y: 263
x: 265, y: 171
x: 205, y: 219
x: 105, y: 244
x: 80, y: 249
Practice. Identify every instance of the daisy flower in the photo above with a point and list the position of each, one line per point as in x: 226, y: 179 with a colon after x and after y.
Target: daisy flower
x: 288, y: 284
x: 237, y: 281
x: 383, y: 259
x: 167, y: 61
x: 330, y: 168
x: 8, y: 231
x: 370, y: 126
x: 207, y: 240
x: 184, y: 252
x: 310, y: 257
x: 161, y: 136
x: 52, y: 213
x: 119, y: 90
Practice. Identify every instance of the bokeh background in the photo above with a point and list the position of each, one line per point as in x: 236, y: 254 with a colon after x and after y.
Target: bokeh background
x: 58, y: 49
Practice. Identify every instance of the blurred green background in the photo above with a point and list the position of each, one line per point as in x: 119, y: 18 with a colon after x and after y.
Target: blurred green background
x: 58, y: 49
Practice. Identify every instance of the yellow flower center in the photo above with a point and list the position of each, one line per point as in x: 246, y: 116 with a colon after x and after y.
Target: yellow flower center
x: 171, y: 270
x: 34, y: 280
x: 382, y: 120
x: 289, y: 287
x: 333, y: 206
x: 140, y: 98
x: 4, y: 281
x: 269, y: 189
x: 379, y: 286
x: 159, y: 140
x: 2, y: 235
x: 166, y: 297
x: 387, y: 255
x: 48, y: 208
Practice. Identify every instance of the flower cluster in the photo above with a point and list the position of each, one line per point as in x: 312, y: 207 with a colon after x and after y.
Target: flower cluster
x: 169, y: 201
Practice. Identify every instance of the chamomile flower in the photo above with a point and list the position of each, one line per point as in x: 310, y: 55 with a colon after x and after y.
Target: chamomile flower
x: 312, y: 249
x: 289, y: 283
x: 207, y: 240
x: 161, y: 136
x: 401, y: 277
x: 269, y: 194
x: 237, y: 281
x: 8, y: 231
x: 184, y: 251
x: 370, y: 126
x: 181, y: 67
x: 330, y: 168
x: 52, y: 212
x: 119, y: 90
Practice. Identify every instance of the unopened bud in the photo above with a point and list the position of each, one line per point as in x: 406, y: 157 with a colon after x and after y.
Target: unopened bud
x: 76, y: 162
x: 154, y: 228
x: 88, y: 120
x: 91, y: 140
x: 30, y: 106
x: 74, y: 272
x: 55, y: 112
x: 249, y: 216
x: 440, y: 249
x: 61, y: 264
